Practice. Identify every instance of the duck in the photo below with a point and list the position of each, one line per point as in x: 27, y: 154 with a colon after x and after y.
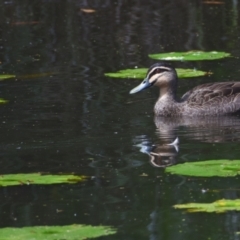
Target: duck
x: 209, y: 99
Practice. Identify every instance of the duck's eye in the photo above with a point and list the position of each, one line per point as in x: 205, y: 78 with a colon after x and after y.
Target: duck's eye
x: 156, y: 71
x: 159, y: 70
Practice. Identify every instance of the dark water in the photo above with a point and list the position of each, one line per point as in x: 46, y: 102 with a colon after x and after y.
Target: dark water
x: 64, y: 116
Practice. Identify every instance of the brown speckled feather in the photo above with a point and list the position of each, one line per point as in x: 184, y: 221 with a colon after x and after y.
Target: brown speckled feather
x: 222, y: 98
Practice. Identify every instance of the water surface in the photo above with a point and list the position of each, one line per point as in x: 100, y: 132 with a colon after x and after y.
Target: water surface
x: 64, y: 116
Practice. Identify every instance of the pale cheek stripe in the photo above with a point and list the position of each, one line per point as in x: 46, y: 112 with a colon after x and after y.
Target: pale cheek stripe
x: 157, y: 68
x: 153, y: 79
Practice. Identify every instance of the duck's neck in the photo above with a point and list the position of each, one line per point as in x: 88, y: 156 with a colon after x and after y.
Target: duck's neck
x: 167, y: 103
x: 167, y: 93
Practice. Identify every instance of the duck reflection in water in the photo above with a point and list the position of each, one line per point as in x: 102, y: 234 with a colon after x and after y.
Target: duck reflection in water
x: 202, y: 129
x: 164, y: 155
x: 161, y: 155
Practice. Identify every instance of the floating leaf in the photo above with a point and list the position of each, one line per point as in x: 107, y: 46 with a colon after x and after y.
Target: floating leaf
x: 55, y: 232
x: 219, y: 206
x: 190, y: 56
x: 129, y: 73
x: 187, y: 73
x: 140, y: 73
x: 210, y: 168
x: 2, y: 101
x: 37, y: 178
x: 6, y: 76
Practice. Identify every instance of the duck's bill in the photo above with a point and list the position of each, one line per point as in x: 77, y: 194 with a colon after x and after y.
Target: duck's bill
x: 145, y: 84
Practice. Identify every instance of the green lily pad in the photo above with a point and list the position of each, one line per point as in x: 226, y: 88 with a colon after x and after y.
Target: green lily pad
x: 190, y: 56
x: 2, y: 101
x: 210, y: 168
x: 6, y: 76
x: 219, y: 206
x: 140, y: 73
x: 55, y: 232
x: 37, y: 178
x: 189, y: 73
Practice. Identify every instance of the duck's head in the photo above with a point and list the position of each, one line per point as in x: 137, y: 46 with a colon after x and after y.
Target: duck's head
x: 160, y: 74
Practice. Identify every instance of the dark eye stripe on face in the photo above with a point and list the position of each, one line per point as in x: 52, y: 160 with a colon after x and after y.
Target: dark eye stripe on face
x: 156, y: 70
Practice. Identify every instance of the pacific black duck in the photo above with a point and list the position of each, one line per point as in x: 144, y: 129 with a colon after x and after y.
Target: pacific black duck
x: 207, y: 99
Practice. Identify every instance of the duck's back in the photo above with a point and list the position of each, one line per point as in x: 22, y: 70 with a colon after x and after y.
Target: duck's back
x: 212, y: 99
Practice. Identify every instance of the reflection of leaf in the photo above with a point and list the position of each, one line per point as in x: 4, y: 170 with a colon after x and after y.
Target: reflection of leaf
x: 141, y: 73
x: 219, y: 206
x: 88, y: 10
x: 27, y: 76
x: 210, y: 168
x: 55, y: 232
x: 6, y: 76
x: 213, y: 2
x: 36, y: 178
x: 190, y: 56
x: 121, y: 180
x: 36, y: 75
x: 25, y: 23
x: 111, y: 199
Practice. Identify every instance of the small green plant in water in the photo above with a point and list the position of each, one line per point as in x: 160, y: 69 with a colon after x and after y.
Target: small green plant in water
x: 6, y: 76
x: 2, y: 101
x: 219, y: 206
x: 70, y: 232
x: 37, y: 178
x: 190, y: 56
x: 210, y: 168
